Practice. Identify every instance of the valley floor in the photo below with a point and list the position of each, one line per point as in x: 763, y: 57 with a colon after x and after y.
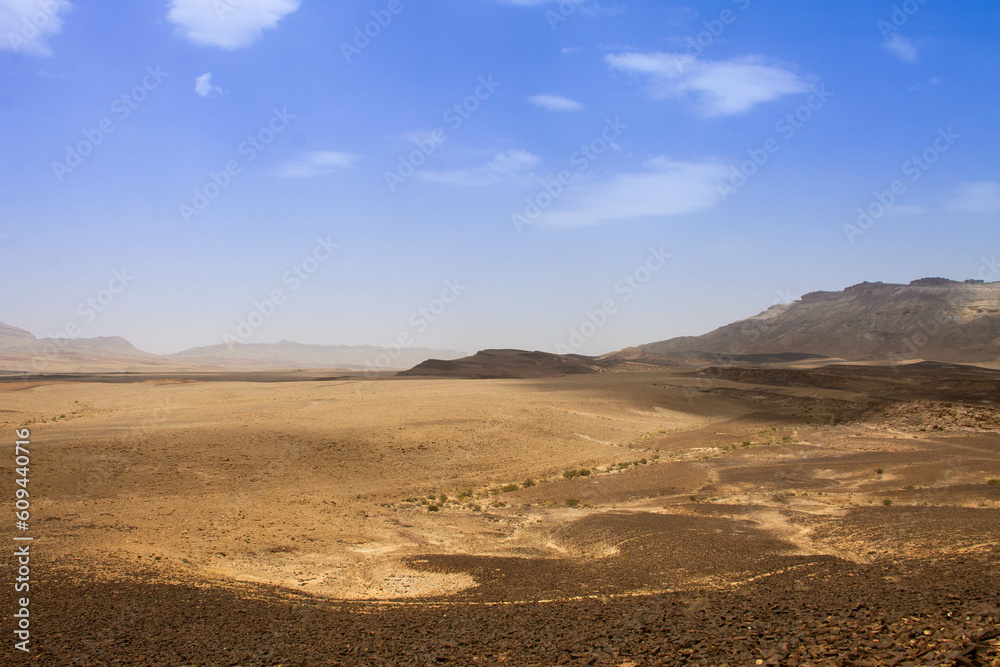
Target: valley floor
x: 616, y: 519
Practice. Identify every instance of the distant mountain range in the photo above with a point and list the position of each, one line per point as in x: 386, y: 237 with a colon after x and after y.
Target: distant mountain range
x: 933, y: 318
x: 20, y: 351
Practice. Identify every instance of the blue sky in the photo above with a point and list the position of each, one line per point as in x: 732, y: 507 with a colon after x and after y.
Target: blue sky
x: 654, y: 169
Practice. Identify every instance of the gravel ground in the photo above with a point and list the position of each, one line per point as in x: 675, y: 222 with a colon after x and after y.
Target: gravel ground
x: 940, y: 611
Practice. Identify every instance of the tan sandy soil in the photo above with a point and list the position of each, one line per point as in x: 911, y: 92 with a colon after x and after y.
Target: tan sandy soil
x: 418, y: 489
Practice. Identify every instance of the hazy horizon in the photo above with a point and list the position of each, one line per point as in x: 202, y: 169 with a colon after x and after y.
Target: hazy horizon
x: 486, y: 174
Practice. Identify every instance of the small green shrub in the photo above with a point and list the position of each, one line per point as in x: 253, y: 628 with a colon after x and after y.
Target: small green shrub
x: 887, y: 502
x: 507, y: 488
x: 528, y: 483
x: 433, y: 508
x: 993, y: 482
x: 572, y: 502
x: 584, y: 472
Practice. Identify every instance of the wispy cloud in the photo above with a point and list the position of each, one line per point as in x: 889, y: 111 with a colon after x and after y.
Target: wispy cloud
x: 902, y: 47
x: 978, y: 197
x: 227, y: 24
x: 25, y: 25
x: 666, y: 188
x: 203, y: 86
x: 555, y: 103
x: 718, y: 88
x: 316, y: 163
x: 514, y: 165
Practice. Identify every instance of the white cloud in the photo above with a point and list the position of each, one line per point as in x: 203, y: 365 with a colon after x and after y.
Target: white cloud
x: 719, y: 88
x: 978, y: 197
x: 667, y: 188
x: 25, y: 25
x: 203, y: 86
x: 316, y: 163
x: 902, y: 48
x: 227, y: 24
x: 555, y: 103
x: 513, y: 165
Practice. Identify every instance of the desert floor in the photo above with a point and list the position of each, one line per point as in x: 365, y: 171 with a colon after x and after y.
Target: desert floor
x: 746, y: 517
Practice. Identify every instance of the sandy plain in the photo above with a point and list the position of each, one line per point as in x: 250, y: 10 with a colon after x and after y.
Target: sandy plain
x: 186, y: 520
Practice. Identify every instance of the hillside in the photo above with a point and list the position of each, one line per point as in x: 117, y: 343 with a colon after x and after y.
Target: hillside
x: 933, y: 318
x: 506, y: 364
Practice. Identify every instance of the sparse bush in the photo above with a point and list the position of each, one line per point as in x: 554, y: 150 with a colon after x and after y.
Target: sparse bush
x: 433, y: 508
x: 887, y: 502
x: 584, y: 472
x: 908, y: 487
x: 443, y: 498
x: 570, y: 474
x: 528, y: 483
x: 746, y: 443
x: 879, y: 471
x: 643, y: 461
x: 507, y: 488
x: 476, y: 507
x: 572, y: 502
x: 993, y: 482
x: 694, y: 499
